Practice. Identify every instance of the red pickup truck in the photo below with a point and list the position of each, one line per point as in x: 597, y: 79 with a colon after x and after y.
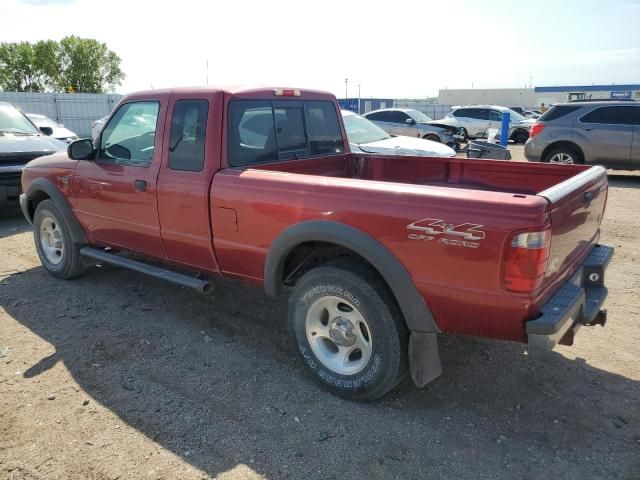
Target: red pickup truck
x: 378, y: 254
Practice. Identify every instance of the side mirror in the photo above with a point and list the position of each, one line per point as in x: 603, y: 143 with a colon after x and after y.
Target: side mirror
x: 48, y: 131
x: 410, y: 121
x: 80, y: 149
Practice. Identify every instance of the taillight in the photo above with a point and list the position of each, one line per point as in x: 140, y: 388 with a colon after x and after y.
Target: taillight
x: 526, y: 261
x: 536, y: 128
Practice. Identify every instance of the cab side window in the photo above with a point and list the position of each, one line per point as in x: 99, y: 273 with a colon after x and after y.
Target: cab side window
x: 379, y: 117
x: 616, y: 115
x: 129, y: 137
x: 188, y: 131
x: 398, y: 116
x: 494, y: 115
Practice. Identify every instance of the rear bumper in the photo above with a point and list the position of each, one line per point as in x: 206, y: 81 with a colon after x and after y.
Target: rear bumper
x: 577, y: 303
x: 532, y: 152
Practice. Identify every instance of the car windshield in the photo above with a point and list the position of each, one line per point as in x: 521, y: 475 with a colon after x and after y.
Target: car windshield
x: 360, y: 130
x: 12, y: 121
x: 42, y: 121
x: 516, y: 116
x: 419, y: 117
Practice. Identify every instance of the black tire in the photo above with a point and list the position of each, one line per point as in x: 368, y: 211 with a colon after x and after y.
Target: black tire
x: 69, y: 265
x: 358, y: 285
x: 520, y: 137
x: 465, y: 135
x: 433, y: 138
x: 566, y: 151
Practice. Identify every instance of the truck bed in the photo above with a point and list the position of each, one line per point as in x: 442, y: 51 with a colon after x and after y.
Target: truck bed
x: 485, y: 175
x: 384, y: 196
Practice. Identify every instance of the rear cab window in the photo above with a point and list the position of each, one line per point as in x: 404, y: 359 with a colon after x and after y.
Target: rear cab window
x: 261, y: 131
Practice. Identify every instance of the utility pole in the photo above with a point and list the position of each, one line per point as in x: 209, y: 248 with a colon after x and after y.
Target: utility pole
x: 346, y: 92
x: 358, y: 99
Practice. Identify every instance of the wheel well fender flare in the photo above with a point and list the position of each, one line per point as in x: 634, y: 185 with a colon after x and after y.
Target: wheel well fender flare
x: 413, y: 307
x: 45, y: 185
x: 563, y: 143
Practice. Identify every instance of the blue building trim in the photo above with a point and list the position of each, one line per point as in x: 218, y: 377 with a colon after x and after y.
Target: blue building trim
x: 588, y: 88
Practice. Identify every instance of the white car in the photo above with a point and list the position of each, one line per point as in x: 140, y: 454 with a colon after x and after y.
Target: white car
x: 59, y: 131
x: 476, y: 120
x: 97, y: 126
x: 366, y: 137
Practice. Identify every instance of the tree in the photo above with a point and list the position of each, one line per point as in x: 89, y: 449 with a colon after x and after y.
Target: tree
x: 87, y: 65
x: 26, y: 67
x: 74, y: 64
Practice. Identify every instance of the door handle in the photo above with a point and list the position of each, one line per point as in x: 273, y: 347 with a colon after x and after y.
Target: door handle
x: 140, y: 185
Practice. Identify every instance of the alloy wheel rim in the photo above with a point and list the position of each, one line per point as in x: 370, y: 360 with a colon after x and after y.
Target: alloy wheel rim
x: 564, y: 158
x: 51, y: 240
x: 338, y: 335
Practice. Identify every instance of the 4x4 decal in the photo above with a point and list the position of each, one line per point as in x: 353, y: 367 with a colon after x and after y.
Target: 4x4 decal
x: 434, y: 226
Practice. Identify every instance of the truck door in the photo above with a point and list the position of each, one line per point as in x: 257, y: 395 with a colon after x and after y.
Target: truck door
x: 116, y: 193
x: 476, y: 124
x: 191, y: 156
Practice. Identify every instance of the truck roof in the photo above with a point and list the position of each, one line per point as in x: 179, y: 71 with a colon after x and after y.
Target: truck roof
x: 245, y: 91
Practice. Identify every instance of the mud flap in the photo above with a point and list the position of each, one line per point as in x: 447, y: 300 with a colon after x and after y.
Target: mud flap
x: 424, y: 358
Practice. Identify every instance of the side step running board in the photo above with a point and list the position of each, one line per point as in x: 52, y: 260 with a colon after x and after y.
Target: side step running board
x: 201, y: 286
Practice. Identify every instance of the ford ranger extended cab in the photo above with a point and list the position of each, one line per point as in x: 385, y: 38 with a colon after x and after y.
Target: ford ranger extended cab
x: 378, y: 254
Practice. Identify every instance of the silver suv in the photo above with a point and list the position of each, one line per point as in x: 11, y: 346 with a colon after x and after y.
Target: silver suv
x: 603, y: 132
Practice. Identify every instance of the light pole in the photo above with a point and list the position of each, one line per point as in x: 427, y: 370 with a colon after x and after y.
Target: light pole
x: 346, y: 92
x: 358, y: 99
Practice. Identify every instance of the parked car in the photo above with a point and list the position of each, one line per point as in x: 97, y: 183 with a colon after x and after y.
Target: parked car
x: 366, y: 137
x: 378, y: 253
x: 518, y: 110
x: 533, y: 114
x: 412, y: 123
x: 20, y: 141
x: 476, y: 120
x: 58, y: 130
x: 97, y: 126
x: 605, y: 133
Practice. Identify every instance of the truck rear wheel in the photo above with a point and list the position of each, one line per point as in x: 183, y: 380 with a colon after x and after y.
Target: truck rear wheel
x: 348, y: 330
x: 57, y: 252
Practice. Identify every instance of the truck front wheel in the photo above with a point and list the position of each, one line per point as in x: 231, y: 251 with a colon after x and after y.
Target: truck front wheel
x: 57, y: 252
x: 348, y: 330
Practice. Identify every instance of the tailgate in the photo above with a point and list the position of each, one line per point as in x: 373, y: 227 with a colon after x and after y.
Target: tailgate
x: 577, y: 206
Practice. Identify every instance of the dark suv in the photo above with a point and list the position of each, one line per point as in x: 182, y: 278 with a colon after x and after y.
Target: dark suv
x: 602, y: 132
x: 20, y: 141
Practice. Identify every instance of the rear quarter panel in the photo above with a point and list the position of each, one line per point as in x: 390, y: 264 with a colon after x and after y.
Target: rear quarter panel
x: 459, y: 277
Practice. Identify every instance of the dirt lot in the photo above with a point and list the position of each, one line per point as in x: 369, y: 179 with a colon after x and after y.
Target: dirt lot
x: 114, y: 375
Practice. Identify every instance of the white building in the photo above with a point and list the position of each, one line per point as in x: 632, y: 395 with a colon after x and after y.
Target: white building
x: 533, y: 97
x: 507, y: 97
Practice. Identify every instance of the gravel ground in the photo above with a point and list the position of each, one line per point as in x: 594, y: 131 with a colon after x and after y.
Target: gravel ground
x: 115, y: 375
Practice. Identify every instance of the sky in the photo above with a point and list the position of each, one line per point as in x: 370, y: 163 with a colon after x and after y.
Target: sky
x: 407, y: 49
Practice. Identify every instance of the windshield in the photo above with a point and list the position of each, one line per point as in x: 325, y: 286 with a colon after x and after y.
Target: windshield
x: 360, y: 130
x: 516, y: 116
x: 419, y: 117
x: 11, y: 120
x: 42, y: 121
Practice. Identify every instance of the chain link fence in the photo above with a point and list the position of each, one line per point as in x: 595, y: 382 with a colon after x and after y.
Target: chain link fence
x: 76, y: 111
